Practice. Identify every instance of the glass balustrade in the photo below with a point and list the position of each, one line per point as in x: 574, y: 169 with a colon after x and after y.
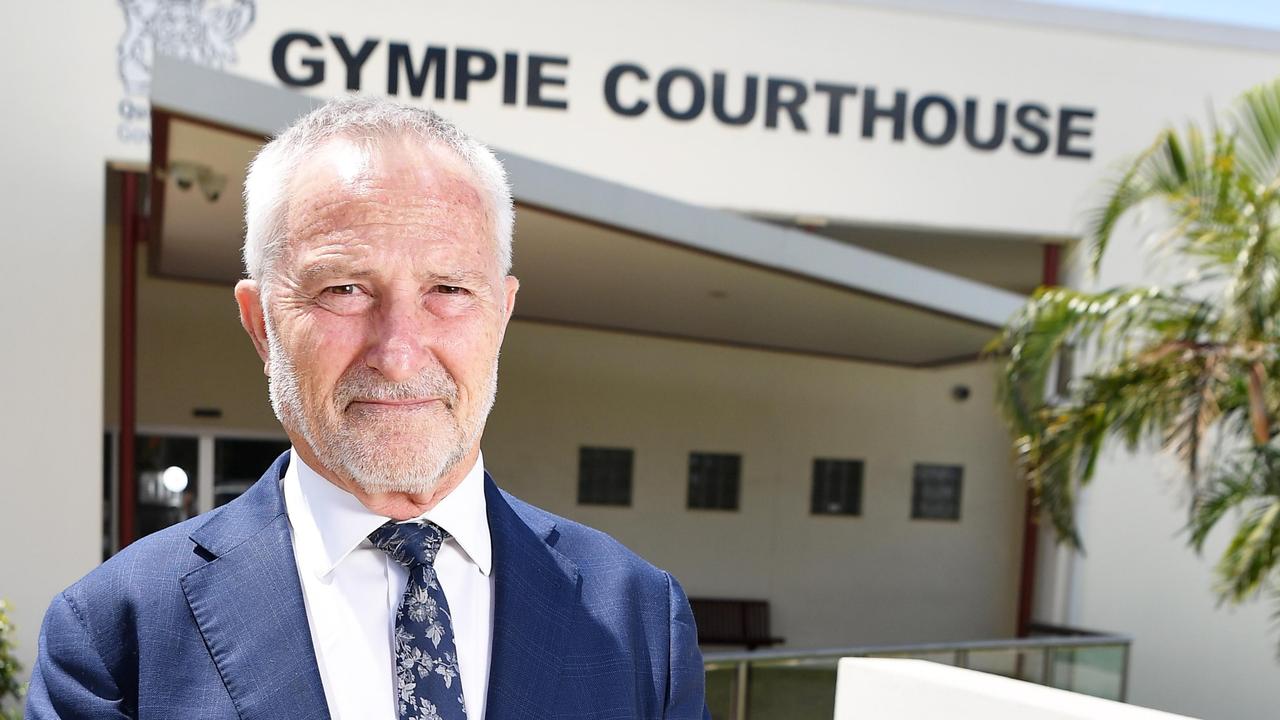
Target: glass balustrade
x: 797, y: 685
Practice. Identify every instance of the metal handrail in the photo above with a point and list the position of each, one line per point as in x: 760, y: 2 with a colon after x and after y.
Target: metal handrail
x: 742, y: 662
x: 783, y: 655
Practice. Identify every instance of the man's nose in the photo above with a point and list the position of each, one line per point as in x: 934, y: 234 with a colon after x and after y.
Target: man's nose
x: 401, y: 345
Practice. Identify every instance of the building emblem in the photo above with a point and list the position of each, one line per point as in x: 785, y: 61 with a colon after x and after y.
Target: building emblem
x: 199, y: 31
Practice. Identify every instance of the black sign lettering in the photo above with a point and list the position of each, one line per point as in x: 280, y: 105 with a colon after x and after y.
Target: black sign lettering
x: 398, y: 58
x: 718, y: 102
x: 463, y: 73
x: 774, y: 102
x: 1025, y: 122
x: 836, y: 94
x: 536, y: 79
x: 353, y: 62
x: 1067, y: 130
x: 996, y: 137
x: 897, y: 112
x: 315, y: 65
x: 697, y: 100
x: 921, y: 128
x: 611, y: 89
x: 681, y: 94
x: 510, y: 77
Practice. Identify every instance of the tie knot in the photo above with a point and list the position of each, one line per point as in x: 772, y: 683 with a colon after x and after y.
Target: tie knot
x: 410, y: 543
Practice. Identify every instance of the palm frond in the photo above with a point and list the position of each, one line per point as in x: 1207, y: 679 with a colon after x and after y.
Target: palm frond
x: 1249, y: 484
x: 1057, y: 318
x: 1257, y: 123
x: 1130, y: 190
x: 1252, y: 553
x: 1235, y: 485
x: 1146, y: 397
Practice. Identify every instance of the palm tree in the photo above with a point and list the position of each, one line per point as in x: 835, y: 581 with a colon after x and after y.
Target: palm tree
x: 1191, y: 366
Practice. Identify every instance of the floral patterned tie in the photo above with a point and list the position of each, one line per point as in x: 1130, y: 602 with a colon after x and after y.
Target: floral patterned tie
x: 427, y: 682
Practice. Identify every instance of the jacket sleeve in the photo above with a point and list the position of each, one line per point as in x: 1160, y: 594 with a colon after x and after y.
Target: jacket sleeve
x: 686, y: 694
x: 70, y: 679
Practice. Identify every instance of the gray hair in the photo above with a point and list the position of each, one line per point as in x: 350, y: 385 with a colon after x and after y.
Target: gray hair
x: 266, y: 201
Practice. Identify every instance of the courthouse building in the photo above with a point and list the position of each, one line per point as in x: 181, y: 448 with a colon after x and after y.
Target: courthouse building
x: 761, y: 245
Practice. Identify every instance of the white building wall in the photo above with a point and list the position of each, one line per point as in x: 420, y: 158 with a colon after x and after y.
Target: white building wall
x: 833, y: 580
x: 1139, y: 577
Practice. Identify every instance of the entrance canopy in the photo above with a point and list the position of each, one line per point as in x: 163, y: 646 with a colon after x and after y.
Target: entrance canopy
x: 589, y: 252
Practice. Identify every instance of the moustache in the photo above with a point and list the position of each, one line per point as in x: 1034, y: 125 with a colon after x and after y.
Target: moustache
x: 369, y: 384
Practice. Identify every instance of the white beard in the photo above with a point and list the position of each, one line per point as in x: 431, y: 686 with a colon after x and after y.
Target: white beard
x: 366, y: 452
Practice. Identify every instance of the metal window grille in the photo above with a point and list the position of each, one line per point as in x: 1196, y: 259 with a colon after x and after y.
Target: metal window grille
x: 935, y: 493
x: 714, y: 479
x: 604, y: 476
x: 837, y: 487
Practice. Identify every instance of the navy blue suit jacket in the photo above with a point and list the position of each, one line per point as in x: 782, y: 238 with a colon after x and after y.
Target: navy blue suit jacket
x: 206, y: 620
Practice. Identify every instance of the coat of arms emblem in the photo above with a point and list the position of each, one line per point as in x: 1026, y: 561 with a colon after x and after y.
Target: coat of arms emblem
x: 200, y: 31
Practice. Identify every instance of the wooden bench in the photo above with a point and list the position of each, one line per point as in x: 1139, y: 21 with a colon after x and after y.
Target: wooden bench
x: 733, y: 622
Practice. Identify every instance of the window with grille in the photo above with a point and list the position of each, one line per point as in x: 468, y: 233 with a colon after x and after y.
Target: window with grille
x: 837, y: 487
x: 604, y: 476
x: 714, y: 479
x: 935, y: 493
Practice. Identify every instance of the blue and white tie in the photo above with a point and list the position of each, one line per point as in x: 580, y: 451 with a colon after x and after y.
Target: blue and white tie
x: 428, y: 686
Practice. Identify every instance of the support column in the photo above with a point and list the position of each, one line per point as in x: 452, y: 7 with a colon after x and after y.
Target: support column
x: 1030, y: 523
x: 130, y: 231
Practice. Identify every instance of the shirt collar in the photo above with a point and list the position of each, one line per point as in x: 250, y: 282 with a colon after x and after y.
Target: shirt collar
x: 340, y: 522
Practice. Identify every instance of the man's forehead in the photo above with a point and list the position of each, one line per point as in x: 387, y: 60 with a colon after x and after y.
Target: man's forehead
x: 352, y: 261
x: 364, y: 166
x: 349, y: 190
x: 396, y: 179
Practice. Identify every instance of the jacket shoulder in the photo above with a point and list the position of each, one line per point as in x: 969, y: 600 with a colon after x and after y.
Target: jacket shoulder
x: 144, y: 568
x: 640, y: 606
x: 592, y: 550
x: 152, y: 565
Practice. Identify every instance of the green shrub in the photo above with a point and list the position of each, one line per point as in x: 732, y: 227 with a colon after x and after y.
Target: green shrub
x: 11, y: 688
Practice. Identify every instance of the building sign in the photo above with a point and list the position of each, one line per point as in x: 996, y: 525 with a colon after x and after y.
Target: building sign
x: 680, y: 94
x: 839, y: 111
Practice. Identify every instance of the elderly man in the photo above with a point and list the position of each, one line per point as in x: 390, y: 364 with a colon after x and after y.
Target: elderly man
x: 375, y: 571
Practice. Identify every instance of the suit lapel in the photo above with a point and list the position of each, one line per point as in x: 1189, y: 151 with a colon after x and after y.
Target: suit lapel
x: 247, y: 601
x: 535, y: 597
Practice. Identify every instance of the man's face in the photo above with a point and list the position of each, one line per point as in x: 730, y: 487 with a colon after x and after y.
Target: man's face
x: 384, y: 315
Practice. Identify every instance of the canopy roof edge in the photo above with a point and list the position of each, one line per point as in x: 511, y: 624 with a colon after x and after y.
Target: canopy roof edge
x: 255, y: 108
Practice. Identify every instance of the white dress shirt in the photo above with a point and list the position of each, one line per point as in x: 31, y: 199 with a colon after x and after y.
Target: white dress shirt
x: 352, y: 590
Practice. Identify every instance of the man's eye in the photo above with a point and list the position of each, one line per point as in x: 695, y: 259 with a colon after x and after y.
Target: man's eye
x: 450, y: 290
x: 341, y: 290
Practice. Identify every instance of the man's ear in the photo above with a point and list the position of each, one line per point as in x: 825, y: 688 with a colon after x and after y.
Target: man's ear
x: 512, y: 286
x: 249, y: 298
